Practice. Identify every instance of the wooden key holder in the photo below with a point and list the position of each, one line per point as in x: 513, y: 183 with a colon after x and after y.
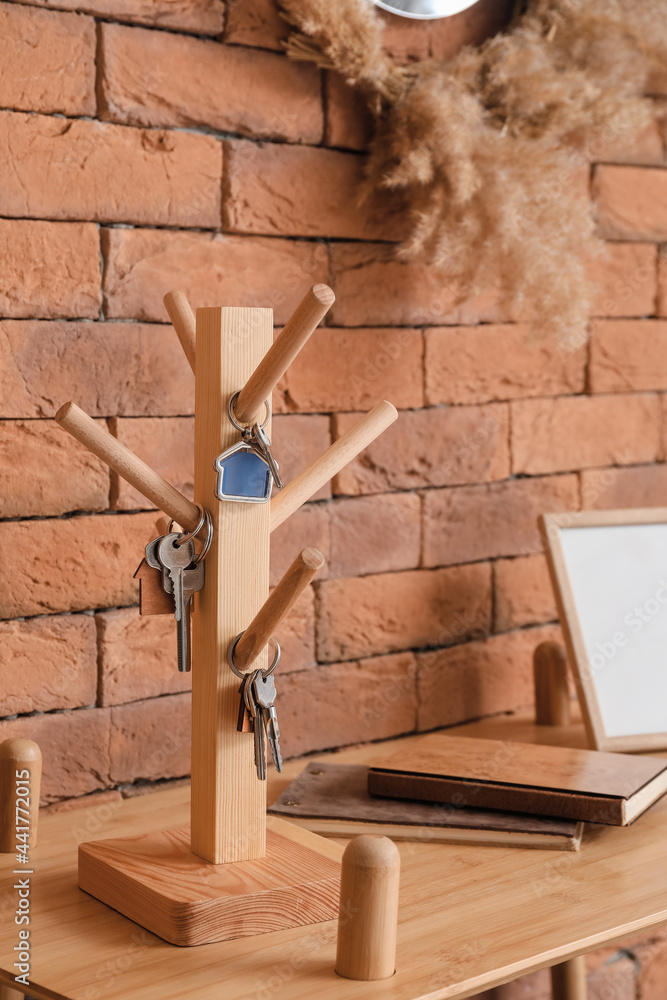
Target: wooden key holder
x: 231, y: 874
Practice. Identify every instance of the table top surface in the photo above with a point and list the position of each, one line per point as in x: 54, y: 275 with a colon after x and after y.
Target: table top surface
x: 470, y: 917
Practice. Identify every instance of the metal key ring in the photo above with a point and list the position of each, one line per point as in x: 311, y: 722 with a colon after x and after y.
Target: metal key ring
x: 264, y: 673
x: 205, y: 517
x: 241, y: 427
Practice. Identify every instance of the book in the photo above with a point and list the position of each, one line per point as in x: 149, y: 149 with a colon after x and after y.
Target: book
x: 586, y: 785
x: 333, y: 800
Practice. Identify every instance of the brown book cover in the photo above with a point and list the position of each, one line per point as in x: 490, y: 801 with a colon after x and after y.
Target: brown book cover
x: 333, y: 800
x: 587, y: 785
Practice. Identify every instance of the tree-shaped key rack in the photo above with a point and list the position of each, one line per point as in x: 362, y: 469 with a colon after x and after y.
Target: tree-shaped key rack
x: 233, y: 873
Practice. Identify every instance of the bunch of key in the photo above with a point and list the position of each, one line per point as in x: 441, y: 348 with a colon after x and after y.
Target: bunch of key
x: 182, y: 575
x: 257, y: 714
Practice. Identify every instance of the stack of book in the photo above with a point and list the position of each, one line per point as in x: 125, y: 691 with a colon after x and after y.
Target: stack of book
x: 464, y: 790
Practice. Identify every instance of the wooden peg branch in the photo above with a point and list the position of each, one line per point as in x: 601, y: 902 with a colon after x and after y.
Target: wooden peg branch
x: 123, y: 461
x: 277, y: 607
x: 335, y: 458
x: 368, y: 915
x: 310, y: 311
x: 183, y: 321
x: 18, y: 756
x: 552, y: 695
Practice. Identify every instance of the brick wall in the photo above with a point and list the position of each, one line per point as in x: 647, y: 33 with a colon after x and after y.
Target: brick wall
x: 153, y: 144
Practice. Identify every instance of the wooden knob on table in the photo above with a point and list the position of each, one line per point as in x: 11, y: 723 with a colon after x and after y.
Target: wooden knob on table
x: 368, y: 914
x: 552, y: 693
x: 20, y: 772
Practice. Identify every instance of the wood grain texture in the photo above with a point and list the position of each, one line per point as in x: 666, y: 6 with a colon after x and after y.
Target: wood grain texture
x: 557, y: 907
x: 277, y: 607
x: 552, y: 694
x: 549, y: 781
x: 18, y: 755
x: 184, y: 323
x: 228, y: 800
x: 335, y: 458
x: 368, y: 917
x: 550, y: 526
x: 157, y: 881
x: 7, y: 993
x: 132, y: 469
x: 568, y: 980
x: 309, y: 313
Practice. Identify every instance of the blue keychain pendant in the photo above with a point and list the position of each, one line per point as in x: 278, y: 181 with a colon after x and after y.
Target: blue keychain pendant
x: 243, y: 475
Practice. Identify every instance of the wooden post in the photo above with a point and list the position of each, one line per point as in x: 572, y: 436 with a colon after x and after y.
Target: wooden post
x: 368, y: 913
x: 18, y: 756
x: 552, y: 694
x: 568, y: 980
x: 228, y: 801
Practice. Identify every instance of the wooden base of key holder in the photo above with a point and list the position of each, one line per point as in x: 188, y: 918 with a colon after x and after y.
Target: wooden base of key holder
x: 227, y: 876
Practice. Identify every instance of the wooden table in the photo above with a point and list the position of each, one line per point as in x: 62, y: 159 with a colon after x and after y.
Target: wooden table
x: 470, y: 917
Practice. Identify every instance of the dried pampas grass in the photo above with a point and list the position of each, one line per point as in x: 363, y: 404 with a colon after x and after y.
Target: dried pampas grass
x: 491, y: 149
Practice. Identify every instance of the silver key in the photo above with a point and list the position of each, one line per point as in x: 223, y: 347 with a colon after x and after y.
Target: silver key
x: 258, y: 726
x: 264, y: 689
x: 175, y: 559
x: 151, y: 553
x: 260, y: 442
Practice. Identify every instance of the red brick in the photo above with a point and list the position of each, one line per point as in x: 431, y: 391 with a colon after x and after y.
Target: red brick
x: 631, y: 202
x: 107, y: 368
x: 47, y: 663
x: 45, y: 471
x: 167, y: 444
x: 379, y: 534
x: 56, y: 168
x: 159, y: 78
x: 662, y: 284
x: 475, y: 679
x: 652, y: 959
x: 62, y: 46
x: 75, y: 750
x: 657, y: 82
x: 473, y: 365
x: 353, y: 370
x: 373, y: 287
x: 309, y: 526
x: 434, y: 447
x: 404, y: 40
x: 620, y: 489
x: 137, y: 656
x: 150, y: 739
x: 627, y: 146
x: 72, y: 564
x: 367, y: 615
x: 628, y: 355
x: 576, y: 432
x: 202, y: 16
x: 50, y: 269
x: 625, y: 280
x: 523, y: 594
x: 344, y: 703
x: 500, y: 519
x: 280, y: 190
x: 143, y: 264
x: 617, y: 980
x: 258, y: 24
x: 297, y: 440
x: 470, y: 27
x: 296, y: 635
x: 348, y: 123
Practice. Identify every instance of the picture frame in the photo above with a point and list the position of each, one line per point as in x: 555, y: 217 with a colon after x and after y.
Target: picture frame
x: 606, y: 568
